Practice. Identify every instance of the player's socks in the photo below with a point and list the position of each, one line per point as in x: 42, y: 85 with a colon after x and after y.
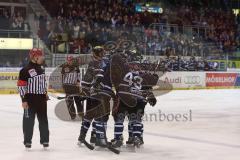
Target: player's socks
x: 130, y: 129
x: 84, y: 128
x: 100, y: 134
x: 130, y: 133
x: 137, y: 133
x: 93, y: 133
x: 137, y: 129
x: 94, y: 126
x: 118, y: 138
x: 118, y: 130
x: 142, y: 130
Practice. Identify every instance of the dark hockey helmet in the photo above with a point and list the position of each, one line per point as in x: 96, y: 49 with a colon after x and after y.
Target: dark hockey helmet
x: 98, y: 52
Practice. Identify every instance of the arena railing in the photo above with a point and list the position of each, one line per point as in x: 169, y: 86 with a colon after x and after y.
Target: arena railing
x: 15, y: 33
x: 190, y: 30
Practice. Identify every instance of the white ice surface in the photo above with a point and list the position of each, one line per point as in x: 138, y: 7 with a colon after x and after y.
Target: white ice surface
x: 213, y: 133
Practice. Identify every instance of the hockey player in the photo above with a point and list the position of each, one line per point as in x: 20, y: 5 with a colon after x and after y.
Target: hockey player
x: 132, y: 80
x: 104, y: 93
x: 71, y: 83
x: 135, y: 125
x: 92, y: 77
x: 33, y: 91
x: 100, y: 95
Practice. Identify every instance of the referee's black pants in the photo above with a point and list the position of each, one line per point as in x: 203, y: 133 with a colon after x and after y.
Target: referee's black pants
x: 37, y: 106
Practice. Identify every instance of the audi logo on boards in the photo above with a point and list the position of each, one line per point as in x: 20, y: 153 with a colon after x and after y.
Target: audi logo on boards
x: 192, y: 80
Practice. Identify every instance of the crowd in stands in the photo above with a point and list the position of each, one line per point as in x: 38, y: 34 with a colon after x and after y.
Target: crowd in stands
x: 171, y: 62
x: 192, y: 64
x: 81, y: 22
x: 222, y: 24
x: 15, y: 25
x: 16, y: 21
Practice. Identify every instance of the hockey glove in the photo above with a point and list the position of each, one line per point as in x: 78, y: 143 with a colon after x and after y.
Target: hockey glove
x: 152, y: 101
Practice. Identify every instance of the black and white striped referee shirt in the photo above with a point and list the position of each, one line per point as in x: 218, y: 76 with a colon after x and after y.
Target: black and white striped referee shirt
x: 70, y: 74
x: 32, y: 80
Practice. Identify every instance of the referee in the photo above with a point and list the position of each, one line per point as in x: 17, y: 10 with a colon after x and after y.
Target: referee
x: 33, y: 91
x: 71, y: 77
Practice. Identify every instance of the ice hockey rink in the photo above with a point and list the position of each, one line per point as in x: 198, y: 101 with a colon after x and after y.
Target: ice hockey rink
x: 212, y: 132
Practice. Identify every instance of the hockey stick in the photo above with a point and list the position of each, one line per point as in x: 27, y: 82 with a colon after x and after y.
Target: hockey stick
x: 58, y: 97
x: 109, y: 146
x: 89, y: 146
x: 72, y: 95
x: 113, y: 149
x: 53, y: 95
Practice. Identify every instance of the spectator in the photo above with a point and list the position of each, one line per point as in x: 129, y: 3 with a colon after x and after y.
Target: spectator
x: 4, y: 20
x: 76, y: 29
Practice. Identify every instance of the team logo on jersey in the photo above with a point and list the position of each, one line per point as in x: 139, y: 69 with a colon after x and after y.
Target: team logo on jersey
x: 32, y: 72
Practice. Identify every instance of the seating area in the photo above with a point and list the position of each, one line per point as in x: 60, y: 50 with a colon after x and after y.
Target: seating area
x: 13, y: 23
x: 89, y: 22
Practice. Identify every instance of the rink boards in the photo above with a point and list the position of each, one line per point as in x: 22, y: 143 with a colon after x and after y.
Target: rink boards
x: 202, y: 80
x: 178, y: 80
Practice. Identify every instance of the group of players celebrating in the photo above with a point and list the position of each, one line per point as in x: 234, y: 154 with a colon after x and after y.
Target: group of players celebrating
x: 110, y: 77
x: 113, y: 84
